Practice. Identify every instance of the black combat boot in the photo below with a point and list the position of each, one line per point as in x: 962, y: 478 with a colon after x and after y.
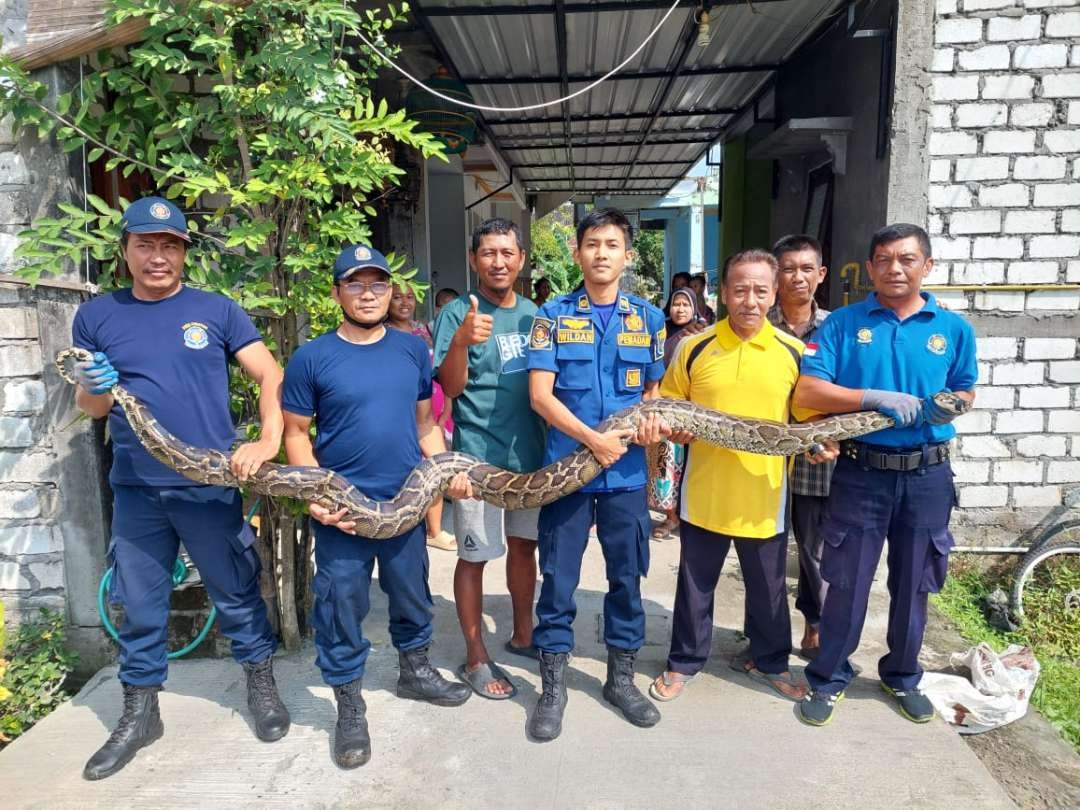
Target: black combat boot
x: 619, y: 689
x: 270, y: 715
x: 419, y: 680
x: 140, y: 724
x: 546, y: 721
x: 352, y: 743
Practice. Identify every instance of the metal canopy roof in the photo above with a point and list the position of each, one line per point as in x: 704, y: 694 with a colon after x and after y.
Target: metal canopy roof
x: 640, y: 131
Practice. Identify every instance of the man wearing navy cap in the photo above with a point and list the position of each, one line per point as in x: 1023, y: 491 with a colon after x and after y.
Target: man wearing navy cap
x: 890, y: 353
x: 171, y: 346
x: 368, y: 390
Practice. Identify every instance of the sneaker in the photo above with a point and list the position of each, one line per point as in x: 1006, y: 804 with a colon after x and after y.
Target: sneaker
x: 816, y: 708
x: 444, y: 541
x: 914, y: 705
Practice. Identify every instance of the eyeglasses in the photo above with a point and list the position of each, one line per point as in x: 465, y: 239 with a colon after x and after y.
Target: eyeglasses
x: 378, y: 288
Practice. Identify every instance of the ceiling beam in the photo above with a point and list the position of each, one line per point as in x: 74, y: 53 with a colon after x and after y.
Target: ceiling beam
x: 555, y: 119
x: 504, y: 10
x: 564, y: 84
x: 528, y: 181
x: 632, y: 75
x: 598, y: 164
x: 689, y: 43
x: 538, y: 141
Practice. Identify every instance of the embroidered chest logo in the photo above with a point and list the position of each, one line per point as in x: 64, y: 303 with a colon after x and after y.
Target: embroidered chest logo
x: 864, y: 336
x: 937, y: 344
x: 575, y: 330
x: 195, y: 335
x: 540, y: 336
x: 633, y: 378
x: 634, y: 333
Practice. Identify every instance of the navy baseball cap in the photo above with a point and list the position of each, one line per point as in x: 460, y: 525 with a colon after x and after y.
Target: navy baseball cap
x: 359, y: 257
x: 154, y: 215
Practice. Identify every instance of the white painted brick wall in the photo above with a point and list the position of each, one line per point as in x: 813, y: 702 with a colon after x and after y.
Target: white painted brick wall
x: 1027, y: 57
x: 1009, y: 86
x: 1061, y: 85
x: 1005, y: 195
x: 983, y: 168
x: 952, y: 31
x: 1031, y: 115
x: 1028, y: 222
x: 984, y: 496
x: 1036, y: 496
x: 1049, y: 349
x: 1041, y: 167
x: 1064, y: 422
x: 984, y: 447
x: 1062, y: 140
x: 966, y: 222
x: 997, y: 348
x: 1013, y: 472
x: 1032, y: 446
x: 1067, y: 371
x: 1007, y: 141
x: 1001, y: 29
x: 1063, y: 25
x: 978, y: 273
x: 1044, y: 396
x: 1017, y: 421
x: 1019, y: 373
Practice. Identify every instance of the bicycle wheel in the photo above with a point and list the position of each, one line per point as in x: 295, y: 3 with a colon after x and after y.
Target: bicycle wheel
x: 1065, y: 540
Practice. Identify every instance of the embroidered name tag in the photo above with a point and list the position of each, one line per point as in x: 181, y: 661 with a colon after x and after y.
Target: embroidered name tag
x: 634, y: 339
x: 575, y: 330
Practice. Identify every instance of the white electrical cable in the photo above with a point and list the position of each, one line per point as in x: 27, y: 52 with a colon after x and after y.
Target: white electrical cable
x: 524, y: 107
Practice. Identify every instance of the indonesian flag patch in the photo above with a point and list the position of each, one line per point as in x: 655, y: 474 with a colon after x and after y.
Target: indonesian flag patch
x: 810, y: 350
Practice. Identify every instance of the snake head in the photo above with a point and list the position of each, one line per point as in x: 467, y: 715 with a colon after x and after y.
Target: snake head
x: 952, y: 403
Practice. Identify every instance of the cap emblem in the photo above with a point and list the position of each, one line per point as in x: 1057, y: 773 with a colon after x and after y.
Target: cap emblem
x: 159, y: 211
x: 362, y: 254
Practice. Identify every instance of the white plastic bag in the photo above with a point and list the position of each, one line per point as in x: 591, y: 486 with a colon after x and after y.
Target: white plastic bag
x: 998, y: 692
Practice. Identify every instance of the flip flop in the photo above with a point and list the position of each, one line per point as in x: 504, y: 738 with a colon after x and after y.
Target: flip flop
x: 741, y: 663
x: 529, y: 652
x: 487, y: 673
x: 676, y: 677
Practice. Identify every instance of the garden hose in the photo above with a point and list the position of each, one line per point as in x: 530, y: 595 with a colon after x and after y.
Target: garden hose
x: 179, y: 574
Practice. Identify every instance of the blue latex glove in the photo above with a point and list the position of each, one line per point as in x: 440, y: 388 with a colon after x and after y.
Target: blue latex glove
x: 97, y: 377
x: 934, y: 414
x: 903, y: 408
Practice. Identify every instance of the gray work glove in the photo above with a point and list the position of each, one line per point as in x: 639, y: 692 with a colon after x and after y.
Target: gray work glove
x: 903, y: 408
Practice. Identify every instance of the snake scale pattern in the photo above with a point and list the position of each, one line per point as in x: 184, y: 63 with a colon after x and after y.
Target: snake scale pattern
x: 385, y: 519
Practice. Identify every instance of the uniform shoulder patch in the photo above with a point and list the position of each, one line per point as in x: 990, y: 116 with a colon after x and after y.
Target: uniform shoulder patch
x: 540, y: 334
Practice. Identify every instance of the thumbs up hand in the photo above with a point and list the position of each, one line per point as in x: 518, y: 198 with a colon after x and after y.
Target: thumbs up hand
x: 476, y: 327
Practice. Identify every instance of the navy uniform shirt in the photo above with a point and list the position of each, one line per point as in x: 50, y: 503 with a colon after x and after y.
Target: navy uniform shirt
x: 865, y: 345
x: 598, y: 371
x: 173, y: 354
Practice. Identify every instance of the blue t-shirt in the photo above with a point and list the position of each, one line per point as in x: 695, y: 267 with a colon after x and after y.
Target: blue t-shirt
x: 865, y: 345
x: 603, y: 312
x: 364, y: 400
x: 173, y: 355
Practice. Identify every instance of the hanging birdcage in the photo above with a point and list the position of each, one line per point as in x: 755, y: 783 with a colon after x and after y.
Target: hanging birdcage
x: 455, y: 126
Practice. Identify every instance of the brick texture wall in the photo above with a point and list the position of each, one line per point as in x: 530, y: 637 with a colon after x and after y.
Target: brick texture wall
x: 1004, y: 212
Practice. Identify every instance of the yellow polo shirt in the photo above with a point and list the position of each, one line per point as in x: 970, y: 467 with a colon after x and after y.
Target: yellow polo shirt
x: 730, y: 491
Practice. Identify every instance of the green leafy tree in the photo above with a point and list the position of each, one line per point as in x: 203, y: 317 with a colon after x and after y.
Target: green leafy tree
x: 552, y: 250
x: 279, y: 161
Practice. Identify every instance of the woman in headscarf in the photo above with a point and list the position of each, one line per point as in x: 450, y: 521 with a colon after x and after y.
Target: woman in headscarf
x: 665, y: 459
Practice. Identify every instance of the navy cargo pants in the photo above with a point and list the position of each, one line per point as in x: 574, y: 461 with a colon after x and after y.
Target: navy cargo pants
x: 148, y: 525
x: 866, y: 505
x: 344, y: 566
x: 622, y: 526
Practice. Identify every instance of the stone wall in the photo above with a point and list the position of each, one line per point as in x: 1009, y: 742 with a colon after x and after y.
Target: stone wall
x: 1004, y: 213
x: 53, y: 528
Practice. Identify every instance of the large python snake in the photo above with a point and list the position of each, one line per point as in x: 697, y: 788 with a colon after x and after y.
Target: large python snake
x: 510, y: 490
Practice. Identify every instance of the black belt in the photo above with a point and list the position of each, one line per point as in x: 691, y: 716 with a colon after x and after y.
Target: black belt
x: 894, y: 459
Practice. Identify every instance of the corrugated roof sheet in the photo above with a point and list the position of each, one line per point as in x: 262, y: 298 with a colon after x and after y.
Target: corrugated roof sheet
x: 509, y: 58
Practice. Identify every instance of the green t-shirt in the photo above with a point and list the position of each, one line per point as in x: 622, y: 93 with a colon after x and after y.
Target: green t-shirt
x: 493, y: 419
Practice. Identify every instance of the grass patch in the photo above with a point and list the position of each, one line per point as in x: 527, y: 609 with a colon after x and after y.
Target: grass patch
x: 1050, y: 628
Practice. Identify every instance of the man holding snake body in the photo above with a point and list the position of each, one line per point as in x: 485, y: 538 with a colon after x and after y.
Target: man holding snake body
x: 170, y: 345
x: 373, y: 434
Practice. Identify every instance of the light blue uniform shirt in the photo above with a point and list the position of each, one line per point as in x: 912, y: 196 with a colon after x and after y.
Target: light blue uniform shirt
x: 865, y: 345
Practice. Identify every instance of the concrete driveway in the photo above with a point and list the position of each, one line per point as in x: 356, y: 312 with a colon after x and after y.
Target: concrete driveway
x: 727, y: 742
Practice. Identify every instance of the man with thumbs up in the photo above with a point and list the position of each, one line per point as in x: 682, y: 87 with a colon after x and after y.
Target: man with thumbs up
x: 480, y: 342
